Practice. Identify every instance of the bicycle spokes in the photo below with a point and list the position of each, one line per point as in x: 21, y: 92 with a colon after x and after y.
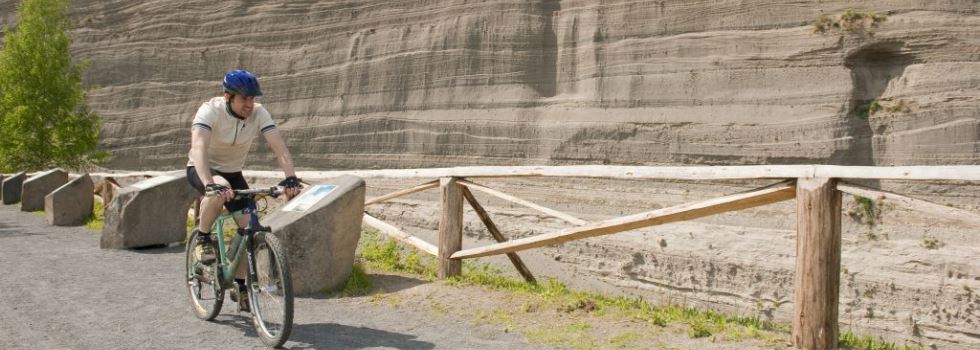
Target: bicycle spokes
x: 205, y: 293
x: 271, y: 291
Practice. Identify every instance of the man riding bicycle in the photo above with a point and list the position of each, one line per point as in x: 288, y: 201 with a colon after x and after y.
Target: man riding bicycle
x: 221, y: 135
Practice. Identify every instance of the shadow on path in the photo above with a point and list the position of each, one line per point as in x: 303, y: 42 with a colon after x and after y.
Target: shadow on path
x: 338, y: 336
x: 159, y: 249
x: 383, y: 283
x: 333, y: 336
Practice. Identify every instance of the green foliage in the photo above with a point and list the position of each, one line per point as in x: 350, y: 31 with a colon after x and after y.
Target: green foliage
x: 849, y: 21
x: 699, y: 329
x: 571, y: 336
x: 623, y: 340
x: 97, y: 220
x: 44, y: 121
x: 386, y: 255
x: 900, y: 106
x: 868, y: 211
x: 359, y: 283
x: 930, y: 243
x: 849, y: 341
x: 867, y: 109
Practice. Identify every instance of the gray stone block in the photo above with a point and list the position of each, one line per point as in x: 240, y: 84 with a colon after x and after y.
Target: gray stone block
x: 12, y: 186
x: 320, y: 230
x: 149, y: 212
x: 37, y: 186
x: 71, y: 204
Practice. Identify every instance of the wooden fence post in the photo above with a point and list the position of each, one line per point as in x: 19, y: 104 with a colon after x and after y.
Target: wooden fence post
x: 818, y: 217
x: 450, y: 227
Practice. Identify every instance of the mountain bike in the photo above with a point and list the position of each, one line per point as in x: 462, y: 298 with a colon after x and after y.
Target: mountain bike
x: 270, y: 290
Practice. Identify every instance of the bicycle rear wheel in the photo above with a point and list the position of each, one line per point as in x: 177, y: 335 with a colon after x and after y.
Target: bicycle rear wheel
x: 271, y: 294
x: 202, y: 283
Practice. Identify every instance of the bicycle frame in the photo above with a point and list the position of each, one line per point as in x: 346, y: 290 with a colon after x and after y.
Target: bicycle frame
x: 228, y: 264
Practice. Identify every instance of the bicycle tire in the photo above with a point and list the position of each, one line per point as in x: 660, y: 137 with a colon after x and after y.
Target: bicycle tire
x: 200, y: 280
x: 274, y: 288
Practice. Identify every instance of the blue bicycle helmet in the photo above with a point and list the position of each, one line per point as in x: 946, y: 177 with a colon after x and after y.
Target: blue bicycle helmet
x: 241, y: 82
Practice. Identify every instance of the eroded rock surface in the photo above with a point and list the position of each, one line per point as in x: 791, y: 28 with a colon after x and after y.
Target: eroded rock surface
x: 426, y: 83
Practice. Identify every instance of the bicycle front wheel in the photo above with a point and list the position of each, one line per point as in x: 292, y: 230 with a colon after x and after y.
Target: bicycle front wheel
x: 202, y: 283
x: 271, y: 293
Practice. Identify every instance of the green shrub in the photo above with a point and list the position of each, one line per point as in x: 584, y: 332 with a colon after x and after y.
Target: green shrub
x: 849, y: 341
x: 867, y: 109
x: 359, y: 283
x: 930, y: 243
x: 44, y: 121
x: 848, y: 21
x: 97, y: 220
x: 899, y: 106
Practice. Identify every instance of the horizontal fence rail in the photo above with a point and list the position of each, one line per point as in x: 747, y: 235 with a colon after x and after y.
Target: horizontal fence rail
x: 945, y: 172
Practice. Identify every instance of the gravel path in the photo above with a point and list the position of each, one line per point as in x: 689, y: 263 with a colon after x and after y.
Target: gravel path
x: 60, y: 291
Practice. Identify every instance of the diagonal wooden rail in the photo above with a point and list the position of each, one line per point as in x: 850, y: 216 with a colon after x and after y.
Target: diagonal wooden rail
x: 492, y: 228
x: 525, y: 203
x: 656, y: 217
x: 405, y: 192
x: 400, y: 235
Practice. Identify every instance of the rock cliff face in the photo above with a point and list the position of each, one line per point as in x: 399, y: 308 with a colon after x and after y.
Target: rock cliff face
x: 358, y: 84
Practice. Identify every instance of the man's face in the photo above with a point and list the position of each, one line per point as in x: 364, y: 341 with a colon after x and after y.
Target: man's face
x: 243, y: 105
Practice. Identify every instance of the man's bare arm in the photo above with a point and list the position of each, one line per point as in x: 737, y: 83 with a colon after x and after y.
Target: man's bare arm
x: 200, y: 139
x: 278, y: 146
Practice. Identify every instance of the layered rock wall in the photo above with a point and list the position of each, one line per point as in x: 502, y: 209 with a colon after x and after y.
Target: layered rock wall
x: 435, y: 83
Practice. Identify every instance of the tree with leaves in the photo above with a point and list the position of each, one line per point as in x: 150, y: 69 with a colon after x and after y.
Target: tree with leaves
x: 44, y: 121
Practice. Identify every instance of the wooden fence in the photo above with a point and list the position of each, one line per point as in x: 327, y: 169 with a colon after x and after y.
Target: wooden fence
x: 817, y: 189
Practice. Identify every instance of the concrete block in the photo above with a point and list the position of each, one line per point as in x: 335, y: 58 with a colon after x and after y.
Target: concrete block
x: 12, y: 186
x: 320, y: 229
x: 71, y: 204
x: 149, y: 212
x: 37, y: 186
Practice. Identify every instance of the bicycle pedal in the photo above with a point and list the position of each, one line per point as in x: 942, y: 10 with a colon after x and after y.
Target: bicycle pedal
x: 205, y: 256
x: 208, y: 259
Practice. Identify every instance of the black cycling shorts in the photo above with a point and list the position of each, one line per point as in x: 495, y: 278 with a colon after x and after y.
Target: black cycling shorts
x: 236, y: 179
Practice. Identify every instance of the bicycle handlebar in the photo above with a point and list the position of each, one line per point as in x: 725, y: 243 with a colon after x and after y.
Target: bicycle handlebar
x: 273, y: 191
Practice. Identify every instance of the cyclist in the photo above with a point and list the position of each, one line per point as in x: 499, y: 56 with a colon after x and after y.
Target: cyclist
x: 221, y: 135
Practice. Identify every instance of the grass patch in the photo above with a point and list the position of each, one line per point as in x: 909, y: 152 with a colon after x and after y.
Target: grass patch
x: 624, y: 340
x: 497, y: 317
x: 359, y: 283
x: 382, y: 254
x: 574, y: 336
x: 96, y: 221
x: 850, y: 341
x: 378, y: 253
